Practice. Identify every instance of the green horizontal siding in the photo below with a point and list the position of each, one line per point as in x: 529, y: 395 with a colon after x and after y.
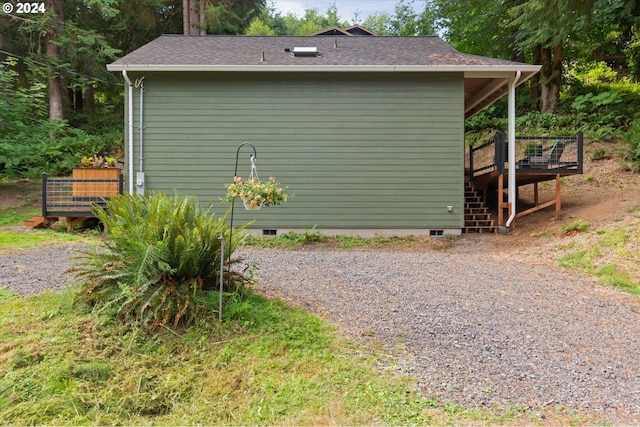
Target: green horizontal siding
x: 358, y: 150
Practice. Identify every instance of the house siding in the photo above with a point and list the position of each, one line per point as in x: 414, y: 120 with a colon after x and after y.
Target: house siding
x: 359, y: 150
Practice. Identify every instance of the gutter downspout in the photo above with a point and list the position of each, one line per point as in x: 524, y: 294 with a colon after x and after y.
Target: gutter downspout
x: 140, y: 85
x: 512, y: 145
x: 130, y: 128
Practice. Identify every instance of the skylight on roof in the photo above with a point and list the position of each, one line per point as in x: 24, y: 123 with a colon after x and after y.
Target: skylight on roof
x: 305, y: 51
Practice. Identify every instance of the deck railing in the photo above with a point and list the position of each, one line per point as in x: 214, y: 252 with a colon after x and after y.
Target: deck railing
x: 534, y: 155
x: 76, y: 197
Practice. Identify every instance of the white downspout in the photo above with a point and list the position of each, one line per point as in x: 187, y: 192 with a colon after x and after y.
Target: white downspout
x: 130, y: 128
x: 140, y: 85
x: 512, y: 146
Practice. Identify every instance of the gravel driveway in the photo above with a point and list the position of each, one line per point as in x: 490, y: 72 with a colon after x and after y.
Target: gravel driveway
x: 471, y: 327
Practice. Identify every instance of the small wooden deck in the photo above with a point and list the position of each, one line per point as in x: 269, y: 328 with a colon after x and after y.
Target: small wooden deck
x: 539, y: 159
x: 73, y: 199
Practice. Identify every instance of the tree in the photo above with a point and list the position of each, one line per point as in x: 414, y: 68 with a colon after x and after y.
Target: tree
x: 480, y: 27
x: 259, y: 28
x: 54, y: 28
x: 547, y: 25
x: 406, y: 22
x: 60, y: 47
x: 219, y: 16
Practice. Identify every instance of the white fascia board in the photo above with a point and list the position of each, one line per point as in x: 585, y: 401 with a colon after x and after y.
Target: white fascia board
x: 468, y: 70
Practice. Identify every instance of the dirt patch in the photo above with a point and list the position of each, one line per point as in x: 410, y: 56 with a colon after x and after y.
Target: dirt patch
x: 24, y: 193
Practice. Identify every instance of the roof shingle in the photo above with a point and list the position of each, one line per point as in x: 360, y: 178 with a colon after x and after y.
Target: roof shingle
x: 175, y: 50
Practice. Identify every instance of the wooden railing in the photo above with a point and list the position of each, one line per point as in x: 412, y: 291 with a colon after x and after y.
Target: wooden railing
x: 534, y: 155
x: 76, y: 197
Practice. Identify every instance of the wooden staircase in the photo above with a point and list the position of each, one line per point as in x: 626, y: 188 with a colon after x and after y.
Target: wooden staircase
x: 477, y: 217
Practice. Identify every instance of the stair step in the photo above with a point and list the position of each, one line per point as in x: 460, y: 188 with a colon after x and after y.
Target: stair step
x: 477, y: 217
x: 36, y: 222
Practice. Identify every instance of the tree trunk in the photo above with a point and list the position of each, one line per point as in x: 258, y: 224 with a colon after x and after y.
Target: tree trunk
x: 534, y: 83
x: 56, y: 110
x: 191, y: 17
x: 556, y: 77
x: 202, y: 24
x: 89, y: 100
x: 550, y: 77
x: 545, y: 75
x: 185, y: 17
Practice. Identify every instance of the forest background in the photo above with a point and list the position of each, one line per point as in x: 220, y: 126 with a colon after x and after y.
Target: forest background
x: 59, y: 103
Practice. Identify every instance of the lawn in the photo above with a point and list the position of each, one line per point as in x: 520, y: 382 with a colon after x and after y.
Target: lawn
x: 267, y: 363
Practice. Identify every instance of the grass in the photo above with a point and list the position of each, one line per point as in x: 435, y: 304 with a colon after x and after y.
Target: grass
x: 611, y: 254
x: 290, y: 240
x: 293, y: 240
x: 268, y: 364
x: 20, y: 201
x: 10, y: 240
x: 577, y: 226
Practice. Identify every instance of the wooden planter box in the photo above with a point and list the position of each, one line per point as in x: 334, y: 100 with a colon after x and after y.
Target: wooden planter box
x: 101, y: 182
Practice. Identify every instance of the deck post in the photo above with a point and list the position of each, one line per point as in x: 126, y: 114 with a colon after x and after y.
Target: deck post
x: 502, y: 204
x: 470, y: 163
x: 120, y: 183
x: 44, y: 195
x: 580, y: 153
x: 558, y: 197
x: 535, y: 194
x: 500, y: 192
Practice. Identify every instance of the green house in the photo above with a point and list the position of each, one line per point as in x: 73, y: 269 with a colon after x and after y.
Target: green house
x: 367, y: 132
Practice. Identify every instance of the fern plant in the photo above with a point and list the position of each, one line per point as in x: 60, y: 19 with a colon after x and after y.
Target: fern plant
x: 159, y: 261
x: 633, y: 139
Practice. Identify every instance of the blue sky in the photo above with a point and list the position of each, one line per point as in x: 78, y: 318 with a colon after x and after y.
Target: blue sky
x: 346, y: 8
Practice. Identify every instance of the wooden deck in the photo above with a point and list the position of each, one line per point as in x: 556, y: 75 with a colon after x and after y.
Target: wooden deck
x: 540, y: 159
x: 73, y: 199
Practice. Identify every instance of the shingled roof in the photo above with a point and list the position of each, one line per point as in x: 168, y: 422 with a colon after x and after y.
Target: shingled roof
x: 171, y: 51
x: 485, y: 78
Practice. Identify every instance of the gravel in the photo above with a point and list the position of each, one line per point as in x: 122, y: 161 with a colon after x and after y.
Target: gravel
x: 472, y: 328
x: 32, y: 271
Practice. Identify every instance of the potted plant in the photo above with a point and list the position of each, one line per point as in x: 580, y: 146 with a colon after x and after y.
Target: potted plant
x: 255, y: 193
x: 95, y: 178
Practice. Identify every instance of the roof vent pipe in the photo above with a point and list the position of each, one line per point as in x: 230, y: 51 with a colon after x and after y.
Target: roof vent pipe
x: 335, y: 44
x: 262, y: 57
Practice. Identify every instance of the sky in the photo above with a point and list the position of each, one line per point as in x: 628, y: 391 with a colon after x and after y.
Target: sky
x: 346, y: 8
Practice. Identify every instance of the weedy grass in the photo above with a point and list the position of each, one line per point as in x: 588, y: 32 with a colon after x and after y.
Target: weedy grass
x: 21, y: 203
x: 346, y: 242
x: 294, y: 240
x: 577, y: 226
x: 35, y: 238
x: 289, y: 240
x: 267, y: 364
x: 611, y: 255
x: 17, y: 215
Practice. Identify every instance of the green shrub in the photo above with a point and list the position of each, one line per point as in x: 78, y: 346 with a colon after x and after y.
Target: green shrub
x: 598, y: 154
x: 633, y: 139
x: 31, y: 144
x: 159, y: 261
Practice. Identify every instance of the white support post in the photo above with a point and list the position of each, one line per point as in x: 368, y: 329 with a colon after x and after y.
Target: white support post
x: 511, y: 143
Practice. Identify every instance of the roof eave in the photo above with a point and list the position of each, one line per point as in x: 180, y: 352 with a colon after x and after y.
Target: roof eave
x: 469, y: 70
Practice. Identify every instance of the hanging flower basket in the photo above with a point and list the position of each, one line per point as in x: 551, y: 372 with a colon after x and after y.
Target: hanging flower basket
x: 251, y: 204
x: 255, y: 193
